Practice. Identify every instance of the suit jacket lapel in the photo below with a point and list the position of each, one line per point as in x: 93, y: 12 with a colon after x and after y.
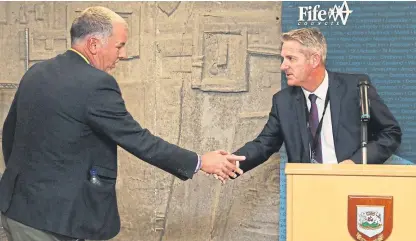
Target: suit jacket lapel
x: 301, y: 117
x: 335, y: 96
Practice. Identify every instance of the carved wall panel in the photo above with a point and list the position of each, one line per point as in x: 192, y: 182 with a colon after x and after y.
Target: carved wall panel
x: 220, y: 54
x: 47, y: 44
x: 198, y: 74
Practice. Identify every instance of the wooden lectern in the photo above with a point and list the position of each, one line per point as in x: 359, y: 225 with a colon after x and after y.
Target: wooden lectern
x: 348, y: 202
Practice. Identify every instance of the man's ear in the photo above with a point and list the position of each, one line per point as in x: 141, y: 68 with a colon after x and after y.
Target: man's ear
x: 315, y: 60
x: 93, y: 45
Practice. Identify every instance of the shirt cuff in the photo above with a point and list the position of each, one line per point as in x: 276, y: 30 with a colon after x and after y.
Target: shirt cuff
x: 198, y: 166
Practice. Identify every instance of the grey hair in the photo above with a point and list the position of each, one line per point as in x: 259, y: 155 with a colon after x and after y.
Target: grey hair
x: 311, y: 38
x: 94, y: 21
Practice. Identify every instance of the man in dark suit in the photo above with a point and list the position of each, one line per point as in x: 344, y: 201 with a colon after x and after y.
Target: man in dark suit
x: 67, y: 118
x: 318, y: 116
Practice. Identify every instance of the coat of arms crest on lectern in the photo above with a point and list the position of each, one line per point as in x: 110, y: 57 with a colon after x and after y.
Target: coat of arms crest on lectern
x: 370, y: 218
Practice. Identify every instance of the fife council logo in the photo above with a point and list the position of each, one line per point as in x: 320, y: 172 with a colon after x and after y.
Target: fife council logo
x: 337, y: 15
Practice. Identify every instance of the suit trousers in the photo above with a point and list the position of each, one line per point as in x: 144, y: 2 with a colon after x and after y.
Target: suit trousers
x: 16, y: 231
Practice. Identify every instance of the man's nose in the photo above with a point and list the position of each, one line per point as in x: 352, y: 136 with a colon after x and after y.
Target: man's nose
x: 283, y: 66
x: 122, y: 54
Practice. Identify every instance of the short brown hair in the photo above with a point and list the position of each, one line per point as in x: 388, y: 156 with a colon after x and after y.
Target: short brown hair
x: 311, y: 38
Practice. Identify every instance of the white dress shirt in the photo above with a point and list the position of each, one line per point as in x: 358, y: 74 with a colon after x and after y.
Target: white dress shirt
x: 327, y: 137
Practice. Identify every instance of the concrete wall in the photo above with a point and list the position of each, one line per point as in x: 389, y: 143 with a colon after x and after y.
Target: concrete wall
x: 201, y: 75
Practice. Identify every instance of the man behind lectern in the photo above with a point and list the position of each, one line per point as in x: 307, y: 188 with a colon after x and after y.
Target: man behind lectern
x: 318, y: 115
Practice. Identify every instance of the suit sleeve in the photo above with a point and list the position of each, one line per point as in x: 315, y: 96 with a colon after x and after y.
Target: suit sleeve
x: 106, y: 113
x: 266, y: 143
x: 384, y: 132
x: 9, y: 128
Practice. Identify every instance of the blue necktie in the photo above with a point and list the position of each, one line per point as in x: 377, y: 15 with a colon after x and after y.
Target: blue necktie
x: 316, y: 150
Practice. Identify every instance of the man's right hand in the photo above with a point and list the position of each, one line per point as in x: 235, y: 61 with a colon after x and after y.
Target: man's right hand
x: 222, y: 164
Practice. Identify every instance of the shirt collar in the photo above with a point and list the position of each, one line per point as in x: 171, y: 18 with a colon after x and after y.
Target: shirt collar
x: 322, y: 89
x: 86, y: 60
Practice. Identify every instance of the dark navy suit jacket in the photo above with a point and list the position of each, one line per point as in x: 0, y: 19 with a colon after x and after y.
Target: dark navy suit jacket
x: 287, y: 124
x: 66, y: 118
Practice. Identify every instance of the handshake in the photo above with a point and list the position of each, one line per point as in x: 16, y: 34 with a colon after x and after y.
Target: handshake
x: 221, y: 164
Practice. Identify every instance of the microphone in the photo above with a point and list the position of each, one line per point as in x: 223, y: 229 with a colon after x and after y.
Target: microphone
x: 364, y: 101
x: 365, y: 116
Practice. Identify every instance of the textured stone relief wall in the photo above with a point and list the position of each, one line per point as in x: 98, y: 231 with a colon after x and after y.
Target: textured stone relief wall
x: 199, y: 74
